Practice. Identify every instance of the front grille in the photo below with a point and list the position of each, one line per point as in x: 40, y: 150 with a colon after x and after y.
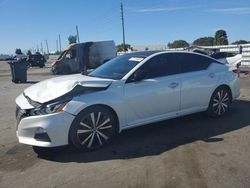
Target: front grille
x: 44, y: 137
x: 17, y: 110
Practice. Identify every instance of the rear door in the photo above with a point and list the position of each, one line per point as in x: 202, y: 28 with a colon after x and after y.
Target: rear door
x: 157, y: 96
x: 197, y: 82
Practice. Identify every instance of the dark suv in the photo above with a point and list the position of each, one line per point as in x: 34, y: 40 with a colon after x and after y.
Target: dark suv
x: 36, y: 60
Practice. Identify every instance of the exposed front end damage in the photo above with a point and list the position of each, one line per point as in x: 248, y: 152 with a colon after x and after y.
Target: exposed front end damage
x: 41, y: 119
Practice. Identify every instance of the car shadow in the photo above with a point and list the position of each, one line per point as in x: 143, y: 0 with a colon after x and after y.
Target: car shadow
x: 154, y: 139
x: 30, y: 82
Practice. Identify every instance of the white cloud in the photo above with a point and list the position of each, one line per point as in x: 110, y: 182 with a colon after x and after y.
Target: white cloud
x: 167, y: 9
x: 239, y: 10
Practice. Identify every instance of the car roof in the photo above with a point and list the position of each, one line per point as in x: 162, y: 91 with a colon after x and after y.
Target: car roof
x: 156, y: 52
x: 144, y: 53
x: 149, y: 53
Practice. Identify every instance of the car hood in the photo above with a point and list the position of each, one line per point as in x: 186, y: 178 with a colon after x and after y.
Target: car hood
x: 53, y: 88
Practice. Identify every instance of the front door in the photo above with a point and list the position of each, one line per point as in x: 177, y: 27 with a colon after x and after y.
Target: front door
x: 155, y: 98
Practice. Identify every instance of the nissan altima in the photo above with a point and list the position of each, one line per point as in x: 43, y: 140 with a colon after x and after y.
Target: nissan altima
x: 134, y: 89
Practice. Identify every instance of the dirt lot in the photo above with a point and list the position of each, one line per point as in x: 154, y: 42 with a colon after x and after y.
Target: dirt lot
x: 192, y: 151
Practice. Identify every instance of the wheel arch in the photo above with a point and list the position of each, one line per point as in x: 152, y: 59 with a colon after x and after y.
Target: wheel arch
x: 98, y: 105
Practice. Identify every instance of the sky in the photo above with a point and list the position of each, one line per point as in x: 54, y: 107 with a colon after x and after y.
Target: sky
x: 26, y: 24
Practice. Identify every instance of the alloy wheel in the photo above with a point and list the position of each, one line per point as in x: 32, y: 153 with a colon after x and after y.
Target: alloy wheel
x: 95, y: 129
x: 221, y: 102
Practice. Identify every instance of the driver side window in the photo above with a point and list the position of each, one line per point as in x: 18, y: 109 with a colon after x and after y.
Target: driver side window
x: 162, y: 65
x: 71, y: 54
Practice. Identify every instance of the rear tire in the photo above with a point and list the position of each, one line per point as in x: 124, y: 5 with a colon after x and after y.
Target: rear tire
x: 93, y: 128
x: 219, y: 102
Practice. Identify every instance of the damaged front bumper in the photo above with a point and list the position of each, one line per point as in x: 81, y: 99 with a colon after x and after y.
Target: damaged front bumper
x: 49, y: 130
x: 45, y: 130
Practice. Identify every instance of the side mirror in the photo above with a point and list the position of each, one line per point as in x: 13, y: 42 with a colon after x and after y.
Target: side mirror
x: 140, y: 75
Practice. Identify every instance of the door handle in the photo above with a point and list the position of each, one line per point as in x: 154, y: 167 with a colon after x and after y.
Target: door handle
x: 211, y: 75
x: 173, y: 85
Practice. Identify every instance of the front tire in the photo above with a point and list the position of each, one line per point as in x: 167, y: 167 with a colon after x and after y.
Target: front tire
x: 219, y: 102
x: 93, y: 128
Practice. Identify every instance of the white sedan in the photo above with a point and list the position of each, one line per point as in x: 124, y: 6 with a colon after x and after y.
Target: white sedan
x: 231, y: 59
x: 130, y: 90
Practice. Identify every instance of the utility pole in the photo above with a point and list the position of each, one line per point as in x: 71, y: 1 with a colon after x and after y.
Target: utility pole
x: 60, y: 47
x: 41, y: 47
x: 123, y: 28
x: 77, y: 33
x: 47, y: 47
x: 56, y: 45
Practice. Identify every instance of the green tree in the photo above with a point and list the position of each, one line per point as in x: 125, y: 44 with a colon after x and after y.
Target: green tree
x: 120, y: 47
x: 72, y: 39
x: 204, y: 41
x: 18, y: 51
x: 241, y: 42
x: 178, y: 44
x: 220, y: 38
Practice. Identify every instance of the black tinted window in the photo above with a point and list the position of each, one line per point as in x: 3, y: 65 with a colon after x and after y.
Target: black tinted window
x: 193, y: 62
x: 161, y: 65
x: 231, y: 54
x: 219, y: 55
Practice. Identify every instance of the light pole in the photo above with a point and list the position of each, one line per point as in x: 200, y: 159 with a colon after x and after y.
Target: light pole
x: 123, y: 28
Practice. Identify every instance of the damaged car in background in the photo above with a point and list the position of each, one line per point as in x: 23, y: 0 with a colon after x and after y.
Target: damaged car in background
x: 87, y: 111
x: 80, y: 57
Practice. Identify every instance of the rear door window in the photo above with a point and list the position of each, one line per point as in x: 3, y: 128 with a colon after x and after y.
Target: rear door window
x: 193, y: 62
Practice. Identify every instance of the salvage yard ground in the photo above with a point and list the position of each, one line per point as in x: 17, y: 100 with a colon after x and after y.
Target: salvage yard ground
x: 191, y: 151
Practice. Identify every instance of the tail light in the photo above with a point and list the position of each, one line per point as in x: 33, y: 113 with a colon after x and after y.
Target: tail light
x: 236, y: 72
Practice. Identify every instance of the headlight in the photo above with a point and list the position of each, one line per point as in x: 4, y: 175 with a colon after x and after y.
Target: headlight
x: 50, y: 108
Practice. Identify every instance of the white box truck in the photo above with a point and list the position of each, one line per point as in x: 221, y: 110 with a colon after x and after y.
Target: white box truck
x: 80, y: 57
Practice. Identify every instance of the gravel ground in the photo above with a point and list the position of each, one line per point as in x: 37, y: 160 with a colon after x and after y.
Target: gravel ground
x: 191, y: 151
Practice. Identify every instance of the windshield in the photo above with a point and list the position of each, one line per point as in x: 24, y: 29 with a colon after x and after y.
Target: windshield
x: 118, y: 67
